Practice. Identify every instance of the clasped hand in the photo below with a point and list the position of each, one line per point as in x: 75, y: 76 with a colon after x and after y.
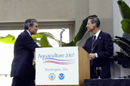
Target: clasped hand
x: 92, y: 56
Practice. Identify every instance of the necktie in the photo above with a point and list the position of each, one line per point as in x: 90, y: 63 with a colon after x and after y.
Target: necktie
x: 94, y: 37
x: 93, y: 41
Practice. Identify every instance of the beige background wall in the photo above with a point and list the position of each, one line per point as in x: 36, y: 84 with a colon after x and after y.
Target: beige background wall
x: 42, y: 10
x: 103, y: 8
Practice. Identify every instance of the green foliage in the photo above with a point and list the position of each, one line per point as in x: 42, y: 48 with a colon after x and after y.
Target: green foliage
x: 82, y: 29
x: 123, y: 58
x: 43, y: 39
x: 126, y: 25
x: 68, y: 44
x: 124, y: 9
x: 123, y: 44
x: 34, y: 64
x: 125, y: 13
x: 9, y: 39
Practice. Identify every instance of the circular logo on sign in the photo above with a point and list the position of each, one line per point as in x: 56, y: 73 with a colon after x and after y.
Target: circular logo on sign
x: 52, y: 76
x: 61, y: 76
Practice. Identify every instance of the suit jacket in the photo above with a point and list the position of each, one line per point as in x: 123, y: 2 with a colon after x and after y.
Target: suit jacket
x: 23, y: 57
x: 103, y: 46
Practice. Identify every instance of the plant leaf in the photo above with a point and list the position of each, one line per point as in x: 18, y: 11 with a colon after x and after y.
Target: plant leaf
x: 126, y: 25
x: 38, y: 35
x: 68, y: 44
x: 82, y: 29
x: 124, y: 9
x: 122, y: 59
x: 9, y: 39
x: 44, y: 41
x: 123, y: 43
x: 43, y: 38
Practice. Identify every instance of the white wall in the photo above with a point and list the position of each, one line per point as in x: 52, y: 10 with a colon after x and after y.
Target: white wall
x: 117, y: 31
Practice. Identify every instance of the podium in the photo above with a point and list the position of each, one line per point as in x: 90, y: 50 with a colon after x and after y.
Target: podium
x: 62, y: 66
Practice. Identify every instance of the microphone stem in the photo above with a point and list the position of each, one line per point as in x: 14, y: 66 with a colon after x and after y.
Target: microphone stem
x: 61, y: 39
x: 61, y: 42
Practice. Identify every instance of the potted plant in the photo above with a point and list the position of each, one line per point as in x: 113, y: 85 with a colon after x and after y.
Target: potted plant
x: 123, y: 57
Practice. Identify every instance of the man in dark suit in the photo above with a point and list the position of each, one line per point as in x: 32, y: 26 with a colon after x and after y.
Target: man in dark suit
x: 99, y: 47
x: 22, y: 71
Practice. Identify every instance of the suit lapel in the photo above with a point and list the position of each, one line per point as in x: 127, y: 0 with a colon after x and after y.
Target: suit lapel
x: 98, y: 40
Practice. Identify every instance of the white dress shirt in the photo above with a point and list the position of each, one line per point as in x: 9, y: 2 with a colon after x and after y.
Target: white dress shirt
x: 97, y: 34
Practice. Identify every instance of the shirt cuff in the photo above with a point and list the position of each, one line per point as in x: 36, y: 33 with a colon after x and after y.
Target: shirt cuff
x: 96, y: 55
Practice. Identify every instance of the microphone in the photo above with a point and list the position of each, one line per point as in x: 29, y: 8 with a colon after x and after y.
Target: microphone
x: 63, y: 29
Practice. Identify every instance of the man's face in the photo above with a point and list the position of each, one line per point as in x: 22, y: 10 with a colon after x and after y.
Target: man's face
x: 90, y: 26
x: 33, y: 29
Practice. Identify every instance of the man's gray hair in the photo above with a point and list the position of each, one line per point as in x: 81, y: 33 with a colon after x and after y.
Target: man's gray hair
x: 29, y: 22
x: 95, y: 20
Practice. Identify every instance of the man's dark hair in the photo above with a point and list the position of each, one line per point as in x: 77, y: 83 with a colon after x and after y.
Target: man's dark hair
x: 95, y: 20
x: 29, y: 22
